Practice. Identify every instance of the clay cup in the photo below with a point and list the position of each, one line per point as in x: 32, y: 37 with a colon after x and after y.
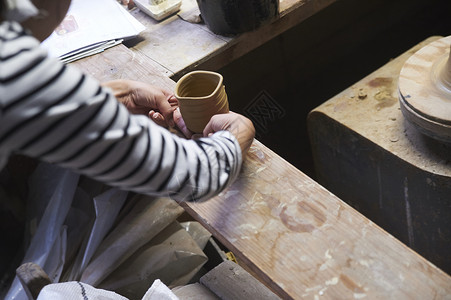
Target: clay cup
x: 201, y: 94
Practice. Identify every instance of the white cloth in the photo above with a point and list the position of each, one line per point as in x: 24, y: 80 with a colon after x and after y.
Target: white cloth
x: 75, y: 290
x: 159, y: 291
x: 19, y: 10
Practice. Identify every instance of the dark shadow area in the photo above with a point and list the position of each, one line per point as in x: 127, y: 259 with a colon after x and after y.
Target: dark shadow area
x: 312, y: 62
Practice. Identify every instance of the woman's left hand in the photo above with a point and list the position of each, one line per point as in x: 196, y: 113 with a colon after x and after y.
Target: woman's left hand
x: 142, y: 98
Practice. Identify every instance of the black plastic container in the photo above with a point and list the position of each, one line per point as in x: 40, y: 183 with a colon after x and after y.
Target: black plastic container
x: 230, y: 17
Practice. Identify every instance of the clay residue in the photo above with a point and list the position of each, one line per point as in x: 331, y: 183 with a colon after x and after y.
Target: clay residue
x: 381, y: 81
x: 293, y: 224
x: 384, y: 94
x: 257, y: 154
x: 341, y: 106
x: 311, y: 215
x: 306, y: 208
x: 350, y: 284
x: 385, y: 99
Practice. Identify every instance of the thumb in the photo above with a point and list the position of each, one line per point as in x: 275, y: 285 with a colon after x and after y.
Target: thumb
x: 209, y: 128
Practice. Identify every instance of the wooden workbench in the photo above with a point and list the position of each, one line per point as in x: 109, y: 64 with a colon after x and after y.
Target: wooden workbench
x: 293, y: 234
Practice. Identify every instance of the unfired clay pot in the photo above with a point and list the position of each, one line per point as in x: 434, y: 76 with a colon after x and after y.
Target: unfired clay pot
x: 201, y: 94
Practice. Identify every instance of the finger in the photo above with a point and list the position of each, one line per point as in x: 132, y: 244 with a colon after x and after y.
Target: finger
x: 210, y: 128
x: 173, y: 100
x: 167, y: 110
x: 180, y: 124
x: 157, y: 118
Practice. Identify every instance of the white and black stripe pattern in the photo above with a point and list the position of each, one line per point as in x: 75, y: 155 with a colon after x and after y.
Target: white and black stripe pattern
x: 58, y: 114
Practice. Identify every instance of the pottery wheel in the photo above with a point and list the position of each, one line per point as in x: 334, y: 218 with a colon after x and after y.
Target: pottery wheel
x: 425, y: 89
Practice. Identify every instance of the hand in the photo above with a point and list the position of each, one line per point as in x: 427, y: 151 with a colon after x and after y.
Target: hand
x: 240, y: 126
x: 181, y: 126
x: 142, y: 98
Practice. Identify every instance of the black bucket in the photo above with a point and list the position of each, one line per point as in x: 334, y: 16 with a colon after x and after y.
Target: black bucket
x: 229, y: 17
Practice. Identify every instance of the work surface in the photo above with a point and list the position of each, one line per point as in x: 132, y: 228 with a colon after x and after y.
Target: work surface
x: 367, y: 154
x: 179, y: 46
x: 295, y: 236
x: 371, y: 109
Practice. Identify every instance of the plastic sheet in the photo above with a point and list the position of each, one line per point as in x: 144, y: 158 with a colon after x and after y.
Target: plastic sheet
x: 144, y: 221
x: 49, y: 230
x: 172, y: 256
x: 107, y: 207
x: 80, y: 230
x: 199, y: 234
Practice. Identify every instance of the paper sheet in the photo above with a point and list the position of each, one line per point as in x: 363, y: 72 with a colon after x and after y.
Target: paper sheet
x: 89, y: 23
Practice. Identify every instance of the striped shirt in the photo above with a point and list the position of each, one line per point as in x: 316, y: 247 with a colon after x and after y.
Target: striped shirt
x: 56, y: 113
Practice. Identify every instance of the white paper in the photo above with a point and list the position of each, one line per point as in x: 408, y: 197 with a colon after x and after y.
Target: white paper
x: 90, y: 22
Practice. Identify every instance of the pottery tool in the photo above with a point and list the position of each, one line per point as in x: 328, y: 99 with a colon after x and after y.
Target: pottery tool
x: 159, y: 9
x: 425, y: 90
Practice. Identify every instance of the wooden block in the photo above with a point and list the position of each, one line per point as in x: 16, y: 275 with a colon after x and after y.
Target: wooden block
x: 33, y: 279
x: 230, y: 281
x: 368, y: 155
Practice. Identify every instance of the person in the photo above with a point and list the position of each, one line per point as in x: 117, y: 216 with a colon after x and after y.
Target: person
x: 111, y: 132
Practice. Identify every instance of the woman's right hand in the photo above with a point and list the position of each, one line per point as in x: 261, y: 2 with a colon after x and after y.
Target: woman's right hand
x: 240, y: 126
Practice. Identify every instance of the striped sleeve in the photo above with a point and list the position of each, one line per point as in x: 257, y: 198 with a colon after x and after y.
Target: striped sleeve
x: 56, y: 113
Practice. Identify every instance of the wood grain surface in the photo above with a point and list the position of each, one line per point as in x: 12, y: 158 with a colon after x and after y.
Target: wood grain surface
x: 304, y: 242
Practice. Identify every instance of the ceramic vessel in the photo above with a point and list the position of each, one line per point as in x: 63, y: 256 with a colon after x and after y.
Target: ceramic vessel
x: 228, y: 17
x: 201, y: 94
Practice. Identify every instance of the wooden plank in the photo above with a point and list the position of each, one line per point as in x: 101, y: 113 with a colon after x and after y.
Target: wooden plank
x: 175, y: 43
x: 180, y: 46
x: 229, y: 281
x: 302, y: 241
x: 120, y: 62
